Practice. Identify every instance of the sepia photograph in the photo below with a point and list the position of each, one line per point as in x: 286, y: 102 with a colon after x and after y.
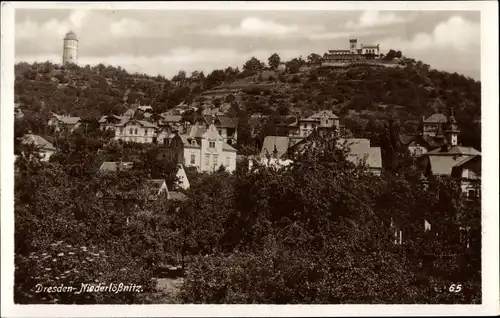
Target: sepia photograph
x: 249, y: 156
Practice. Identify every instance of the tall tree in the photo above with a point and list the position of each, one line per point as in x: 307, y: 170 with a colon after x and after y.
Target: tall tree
x: 274, y: 61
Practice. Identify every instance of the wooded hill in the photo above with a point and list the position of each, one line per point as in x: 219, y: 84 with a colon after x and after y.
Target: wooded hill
x: 361, y: 94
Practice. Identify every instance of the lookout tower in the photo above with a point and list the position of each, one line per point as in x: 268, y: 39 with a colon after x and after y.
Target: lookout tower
x: 353, y: 45
x: 70, y: 48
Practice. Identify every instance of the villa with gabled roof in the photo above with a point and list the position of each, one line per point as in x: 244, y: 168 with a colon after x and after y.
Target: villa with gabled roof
x: 203, y: 148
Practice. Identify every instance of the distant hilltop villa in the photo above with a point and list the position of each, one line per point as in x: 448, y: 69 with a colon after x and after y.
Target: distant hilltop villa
x: 70, y: 48
x: 365, y: 52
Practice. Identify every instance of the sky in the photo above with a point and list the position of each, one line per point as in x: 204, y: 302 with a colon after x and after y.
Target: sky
x: 165, y: 41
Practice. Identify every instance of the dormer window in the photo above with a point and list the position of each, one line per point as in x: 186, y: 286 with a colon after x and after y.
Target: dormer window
x: 211, y: 144
x: 193, y: 142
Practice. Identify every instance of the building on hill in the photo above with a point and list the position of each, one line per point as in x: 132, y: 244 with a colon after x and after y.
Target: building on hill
x: 45, y: 148
x: 431, y: 137
x: 365, y: 52
x: 70, y: 48
x: 303, y: 127
x: 226, y: 126
x: 140, y: 131
x: 109, y: 122
x: 203, y: 148
x: 451, y: 156
x: 433, y: 123
x: 63, y: 123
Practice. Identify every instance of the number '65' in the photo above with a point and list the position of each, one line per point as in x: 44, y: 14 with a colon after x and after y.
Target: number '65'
x: 455, y: 288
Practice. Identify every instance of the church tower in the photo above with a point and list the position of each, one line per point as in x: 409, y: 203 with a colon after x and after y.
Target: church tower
x: 452, y: 130
x: 70, y: 48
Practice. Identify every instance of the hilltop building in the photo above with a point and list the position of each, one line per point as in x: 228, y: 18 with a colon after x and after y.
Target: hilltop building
x: 353, y: 53
x: 70, y: 48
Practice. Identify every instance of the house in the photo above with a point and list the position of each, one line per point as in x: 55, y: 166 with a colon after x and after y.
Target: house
x: 67, y: 123
x: 203, y: 148
x: 175, y: 121
x: 164, y: 134
x: 303, y: 127
x: 276, y: 148
x: 45, y: 148
x: 467, y: 172
x: 109, y: 122
x: 153, y: 118
x: 226, y: 126
x: 182, y: 179
x: 140, y: 131
x: 113, y: 166
x: 432, y: 124
x: 453, y: 157
x: 145, y: 109
x: 431, y: 137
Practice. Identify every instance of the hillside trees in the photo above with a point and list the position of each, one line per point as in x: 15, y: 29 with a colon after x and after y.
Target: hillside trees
x: 253, y: 65
x: 274, y: 61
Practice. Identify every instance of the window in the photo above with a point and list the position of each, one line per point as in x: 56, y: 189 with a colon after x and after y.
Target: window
x: 207, y: 160
x: 135, y: 131
x: 215, y: 163
x: 227, y: 162
x: 192, y: 159
x: 130, y: 131
x: 145, y: 132
x: 193, y: 142
x: 211, y: 144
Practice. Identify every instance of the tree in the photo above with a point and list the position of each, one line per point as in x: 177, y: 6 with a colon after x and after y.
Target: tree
x: 314, y: 59
x: 274, y: 61
x: 252, y: 65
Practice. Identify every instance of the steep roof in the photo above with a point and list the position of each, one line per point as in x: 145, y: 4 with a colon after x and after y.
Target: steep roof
x: 281, y: 143
x: 37, y: 141
x: 68, y: 120
x: 171, y: 118
x: 177, y: 196
x: 113, y: 166
x: 327, y: 113
x: 221, y: 121
x: 227, y: 147
x: 143, y: 123
x: 436, y: 118
x: 454, y: 151
x: 442, y: 165
x: 197, y: 131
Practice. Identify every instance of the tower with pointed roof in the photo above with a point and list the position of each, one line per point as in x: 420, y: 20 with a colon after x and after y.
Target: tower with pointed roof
x: 452, y: 130
x: 70, y: 48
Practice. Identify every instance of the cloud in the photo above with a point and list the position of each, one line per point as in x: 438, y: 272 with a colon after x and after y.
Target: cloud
x: 169, y: 64
x: 370, y: 19
x: 127, y: 28
x: 94, y: 28
x: 253, y: 26
x: 456, y: 33
x: 454, y: 45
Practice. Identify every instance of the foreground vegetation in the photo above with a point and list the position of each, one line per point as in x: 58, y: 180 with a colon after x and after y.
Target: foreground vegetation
x: 319, y: 232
